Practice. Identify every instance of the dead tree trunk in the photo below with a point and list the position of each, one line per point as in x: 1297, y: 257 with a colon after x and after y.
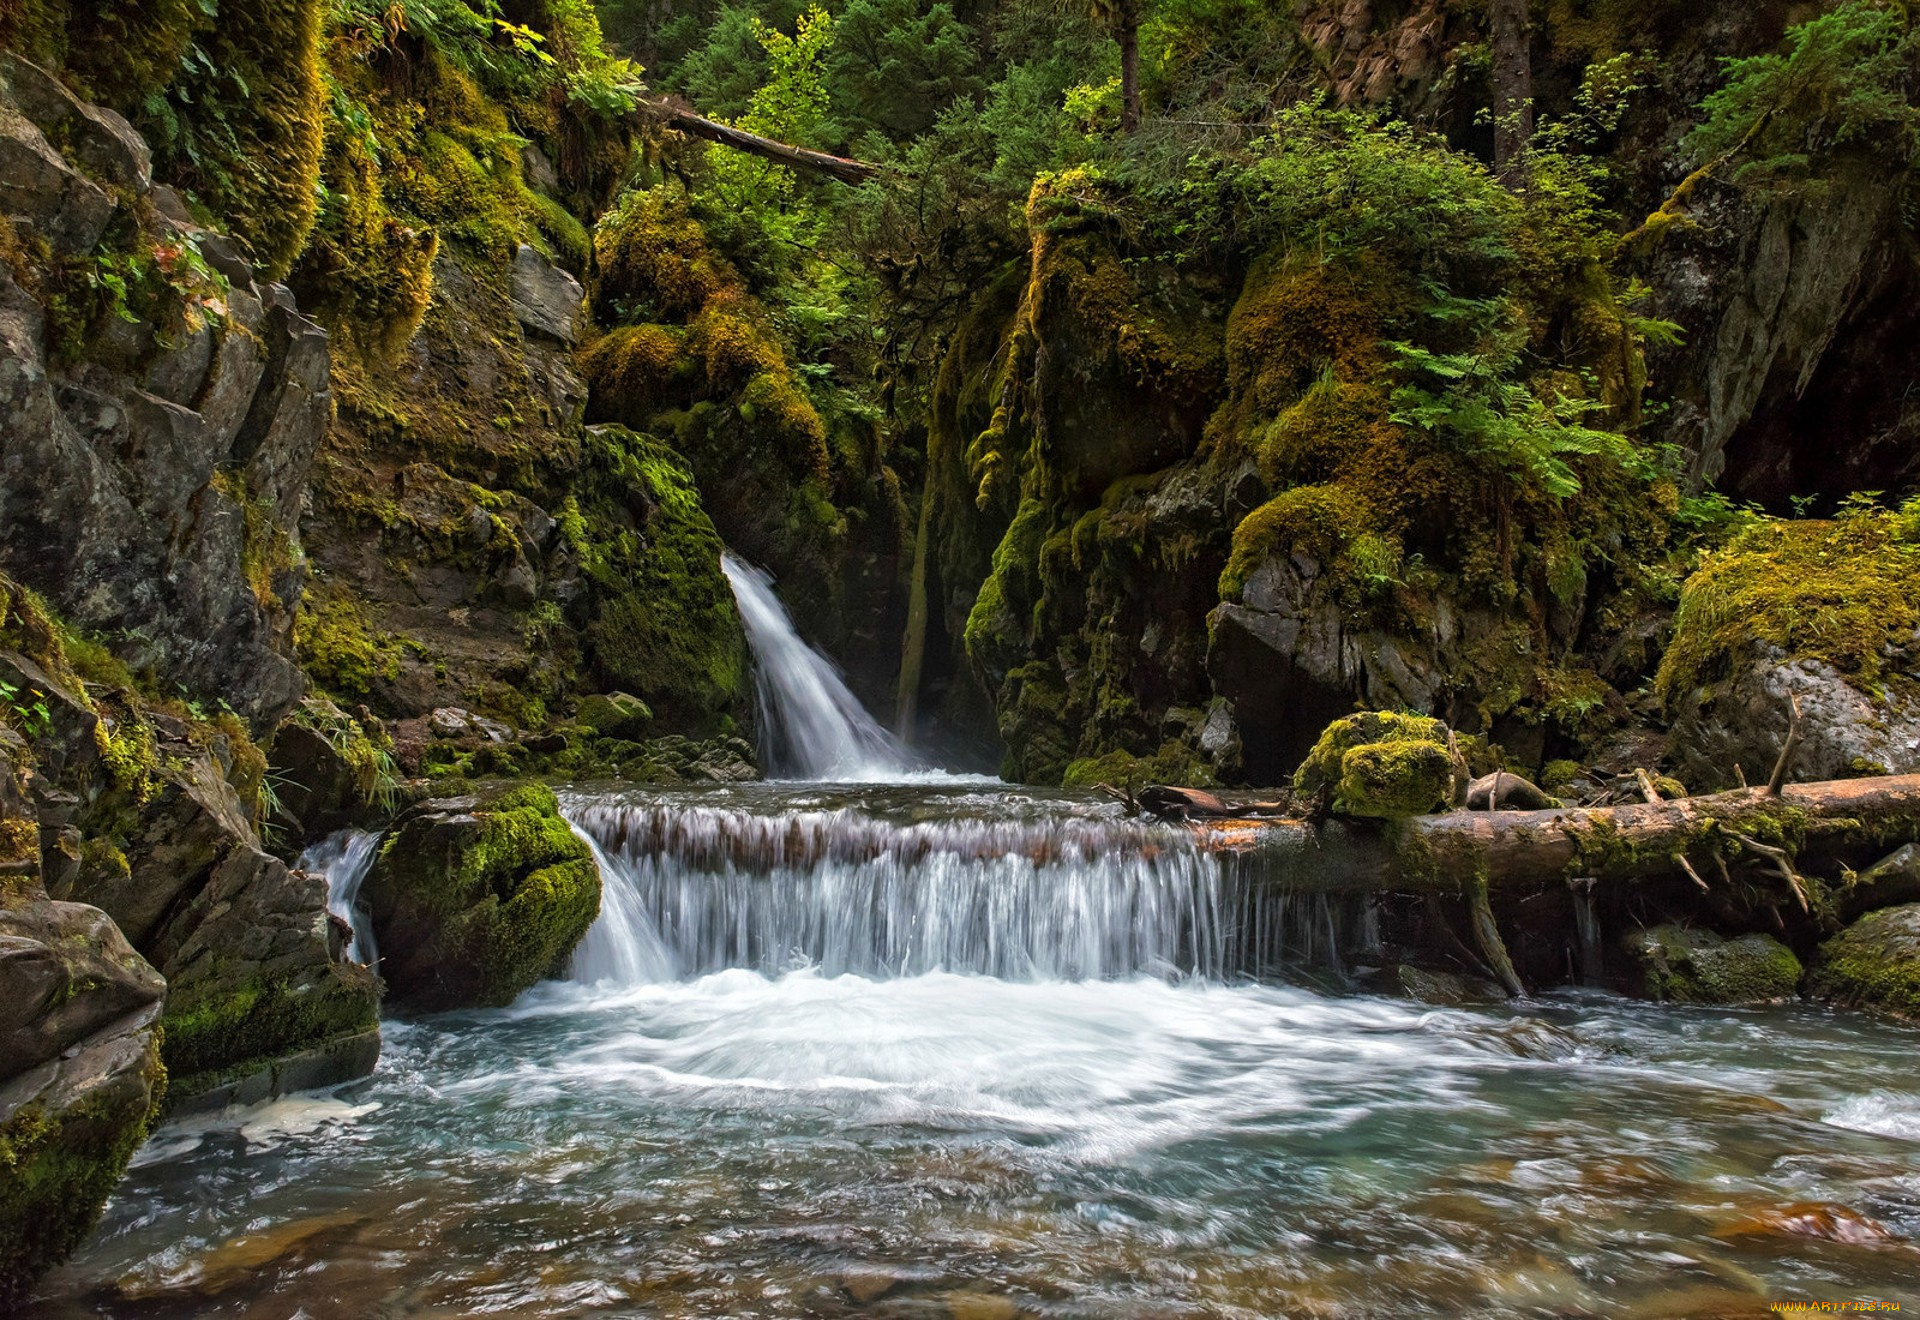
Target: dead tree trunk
x: 1518, y: 851
x: 1512, y: 89
x: 842, y: 168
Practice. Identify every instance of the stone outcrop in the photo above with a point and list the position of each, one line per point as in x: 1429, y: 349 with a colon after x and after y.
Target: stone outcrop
x: 1688, y: 966
x: 152, y: 464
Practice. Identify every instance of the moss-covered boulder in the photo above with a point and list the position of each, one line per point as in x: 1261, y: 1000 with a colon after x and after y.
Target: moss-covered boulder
x: 1684, y: 966
x: 615, y: 715
x: 1384, y: 764
x: 476, y: 898
x: 1874, y: 963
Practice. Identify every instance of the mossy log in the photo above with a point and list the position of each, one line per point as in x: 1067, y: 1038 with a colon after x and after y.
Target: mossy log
x: 1805, y: 826
x: 848, y: 171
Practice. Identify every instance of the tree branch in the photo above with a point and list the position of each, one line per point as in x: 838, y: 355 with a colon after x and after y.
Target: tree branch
x: 842, y: 168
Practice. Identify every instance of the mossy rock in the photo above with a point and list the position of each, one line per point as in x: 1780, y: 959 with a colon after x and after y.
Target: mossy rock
x: 1384, y: 764
x: 1684, y: 966
x: 1874, y: 963
x: 615, y: 714
x: 474, y: 899
x: 62, y: 1154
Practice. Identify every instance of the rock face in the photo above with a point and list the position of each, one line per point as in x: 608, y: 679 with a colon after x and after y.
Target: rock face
x: 1688, y: 966
x: 474, y: 899
x: 138, y: 815
x: 157, y: 474
x: 80, y: 1071
x: 1874, y: 963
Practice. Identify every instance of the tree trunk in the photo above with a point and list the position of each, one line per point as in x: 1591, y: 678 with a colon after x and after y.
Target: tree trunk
x: 842, y: 168
x: 1129, y: 35
x: 1512, y: 90
x: 1519, y: 851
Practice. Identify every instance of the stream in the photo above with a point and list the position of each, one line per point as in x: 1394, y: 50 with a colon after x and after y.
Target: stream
x: 943, y: 1048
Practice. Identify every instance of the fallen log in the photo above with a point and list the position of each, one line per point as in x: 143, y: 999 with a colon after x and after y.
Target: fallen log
x: 1812, y: 824
x: 843, y: 168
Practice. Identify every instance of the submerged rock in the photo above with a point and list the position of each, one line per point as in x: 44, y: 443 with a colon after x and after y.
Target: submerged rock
x: 1686, y: 966
x: 1874, y: 963
x: 476, y: 898
x: 1384, y: 765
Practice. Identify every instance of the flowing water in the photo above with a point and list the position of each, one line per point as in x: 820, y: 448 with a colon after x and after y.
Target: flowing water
x: 951, y: 1051
x: 940, y: 1049
x: 344, y: 858
x: 812, y: 726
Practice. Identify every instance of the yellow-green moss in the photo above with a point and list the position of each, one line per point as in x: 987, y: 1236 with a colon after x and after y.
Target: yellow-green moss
x: 1171, y: 764
x: 654, y: 259
x: 1319, y: 520
x: 1874, y: 963
x: 1698, y: 967
x: 336, y: 645
x: 1843, y: 592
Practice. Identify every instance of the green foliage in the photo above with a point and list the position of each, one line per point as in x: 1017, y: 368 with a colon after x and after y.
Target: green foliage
x: 895, y: 65
x: 1844, y: 80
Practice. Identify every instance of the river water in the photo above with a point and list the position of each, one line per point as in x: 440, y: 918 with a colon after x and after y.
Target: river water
x: 939, y: 1048
x: 957, y: 1051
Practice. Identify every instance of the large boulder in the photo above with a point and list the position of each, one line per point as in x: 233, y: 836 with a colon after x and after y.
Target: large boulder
x: 1681, y: 965
x: 1874, y: 963
x: 474, y: 899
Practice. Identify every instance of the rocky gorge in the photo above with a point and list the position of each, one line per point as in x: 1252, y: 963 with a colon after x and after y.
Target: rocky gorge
x: 380, y: 392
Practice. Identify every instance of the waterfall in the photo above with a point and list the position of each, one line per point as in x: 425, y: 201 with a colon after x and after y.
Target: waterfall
x: 812, y: 727
x: 690, y: 889
x: 344, y: 858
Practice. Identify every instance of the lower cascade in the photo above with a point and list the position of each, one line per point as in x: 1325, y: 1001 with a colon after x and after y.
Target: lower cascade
x: 344, y: 858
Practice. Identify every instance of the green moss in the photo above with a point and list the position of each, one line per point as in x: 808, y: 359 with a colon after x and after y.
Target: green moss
x: 337, y: 647
x: 1687, y: 966
x: 654, y: 259
x: 484, y: 910
x: 998, y: 625
x: 1844, y: 592
x: 57, y: 1170
x: 1318, y: 520
x: 246, y: 135
x: 665, y: 627
x: 1874, y: 963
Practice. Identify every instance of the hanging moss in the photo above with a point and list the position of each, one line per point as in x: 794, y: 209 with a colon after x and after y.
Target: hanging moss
x: 247, y: 135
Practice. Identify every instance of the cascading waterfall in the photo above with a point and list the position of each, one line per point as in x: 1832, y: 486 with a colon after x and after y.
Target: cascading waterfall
x: 691, y: 890
x: 344, y: 858
x: 812, y: 726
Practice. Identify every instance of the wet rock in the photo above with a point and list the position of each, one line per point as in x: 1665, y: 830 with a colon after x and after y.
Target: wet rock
x: 1874, y: 963
x: 454, y: 722
x: 1686, y: 966
x: 545, y: 298
x: 474, y: 899
x: 66, y: 973
x: 329, y: 771
x: 1383, y: 765
x: 1435, y: 987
